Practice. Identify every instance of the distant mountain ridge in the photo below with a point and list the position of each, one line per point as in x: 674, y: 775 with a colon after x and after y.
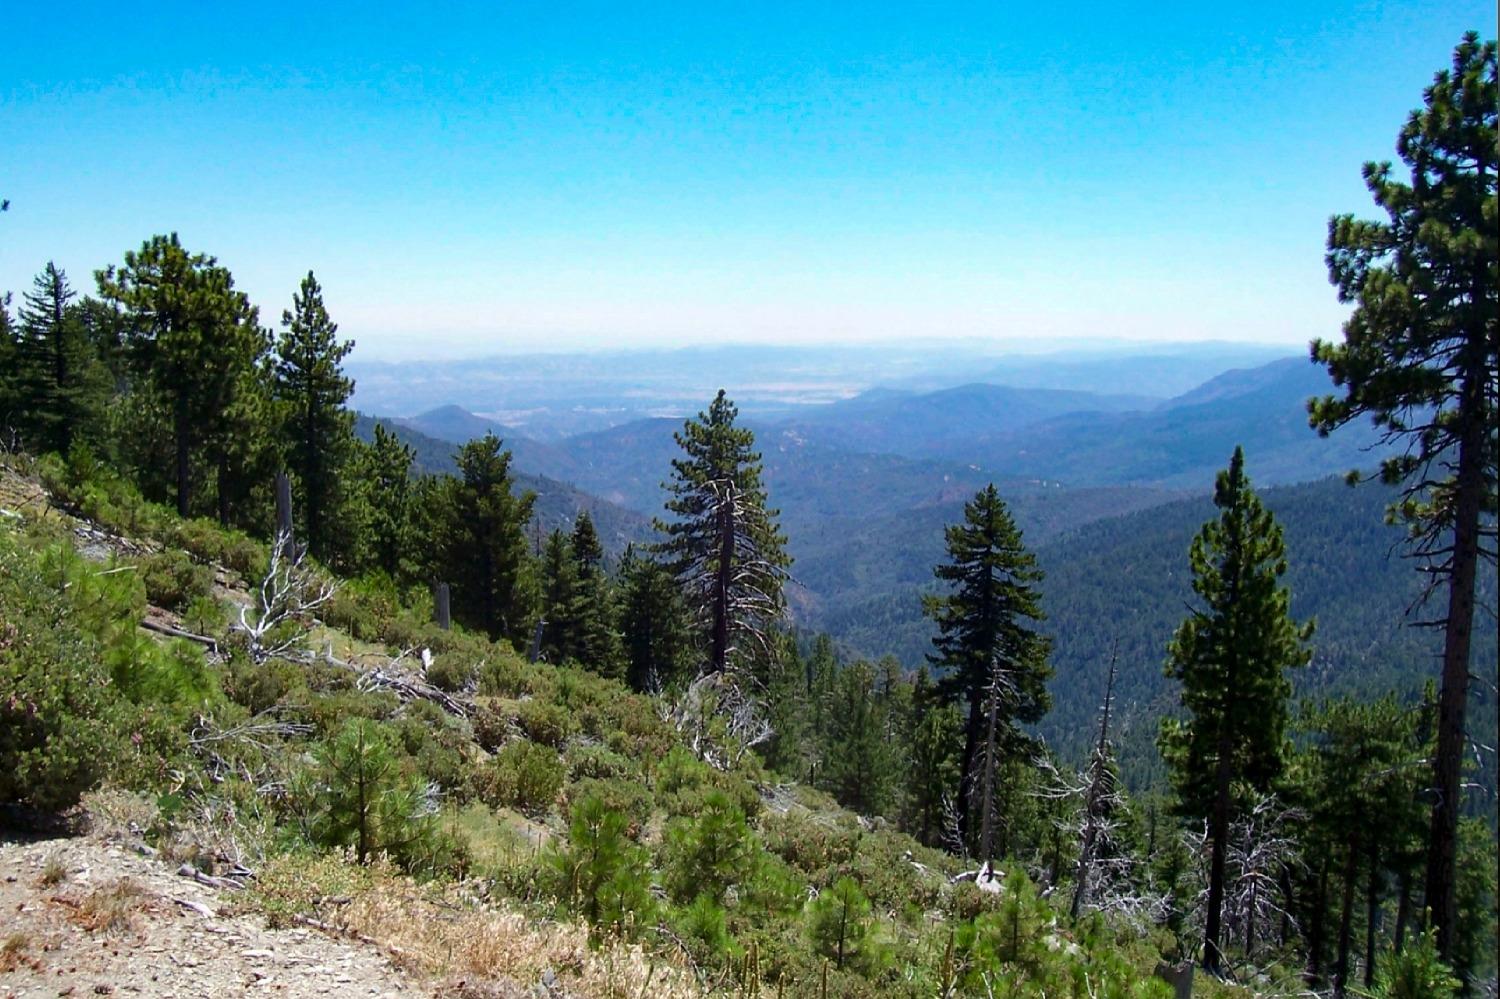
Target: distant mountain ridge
x: 557, y: 503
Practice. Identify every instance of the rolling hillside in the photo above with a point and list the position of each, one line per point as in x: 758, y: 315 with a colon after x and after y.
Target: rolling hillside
x: 557, y: 503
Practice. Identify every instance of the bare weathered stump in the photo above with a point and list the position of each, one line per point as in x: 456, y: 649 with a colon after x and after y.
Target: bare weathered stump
x: 536, y: 641
x: 1179, y: 976
x: 284, y: 509
x: 440, y: 601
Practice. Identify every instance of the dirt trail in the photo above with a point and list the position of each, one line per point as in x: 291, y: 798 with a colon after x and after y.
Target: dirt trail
x: 80, y: 917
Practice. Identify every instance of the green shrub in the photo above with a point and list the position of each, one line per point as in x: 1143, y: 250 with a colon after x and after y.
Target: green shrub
x: 59, y: 711
x: 492, y: 728
x: 627, y: 798
x: 684, y: 783
x: 173, y: 580
x: 502, y: 676
x: 523, y: 776
x: 205, y: 616
x: 547, y: 724
x: 599, y: 762
x: 437, y: 743
x: 450, y: 673
x: 209, y: 542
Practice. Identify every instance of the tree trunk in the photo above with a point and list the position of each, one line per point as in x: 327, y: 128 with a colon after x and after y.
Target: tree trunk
x: 722, y: 579
x: 180, y: 442
x: 1442, y: 850
x: 987, y: 805
x: 1372, y: 913
x: 1316, y: 937
x: 1346, y: 920
x: 1403, y: 910
x: 1219, y: 832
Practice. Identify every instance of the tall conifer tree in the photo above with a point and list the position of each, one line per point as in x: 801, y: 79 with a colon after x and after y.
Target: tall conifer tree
x: 722, y: 542
x: 191, y: 337
x: 54, y: 363
x: 479, y: 542
x: 1231, y: 656
x: 653, y: 624
x: 1421, y: 357
x: 993, y: 658
x: 385, y: 470
x: 311, y: 389
x: 597, y: 642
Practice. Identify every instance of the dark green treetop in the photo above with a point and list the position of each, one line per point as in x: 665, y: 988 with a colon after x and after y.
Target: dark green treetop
x: 310, y: 388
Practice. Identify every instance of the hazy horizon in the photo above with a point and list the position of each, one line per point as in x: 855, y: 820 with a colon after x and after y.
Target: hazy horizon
x: 494, y: 181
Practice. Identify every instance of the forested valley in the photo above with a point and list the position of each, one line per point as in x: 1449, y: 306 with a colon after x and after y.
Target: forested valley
x: 1056, y: 742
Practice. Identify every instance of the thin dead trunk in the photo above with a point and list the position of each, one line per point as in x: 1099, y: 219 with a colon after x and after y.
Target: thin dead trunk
x: 987, y: 805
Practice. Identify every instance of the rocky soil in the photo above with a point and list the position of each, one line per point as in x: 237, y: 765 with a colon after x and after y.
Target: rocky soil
x: 82, y: 917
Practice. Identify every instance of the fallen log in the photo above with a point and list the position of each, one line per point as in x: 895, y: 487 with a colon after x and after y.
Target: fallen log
x: 166, y: 629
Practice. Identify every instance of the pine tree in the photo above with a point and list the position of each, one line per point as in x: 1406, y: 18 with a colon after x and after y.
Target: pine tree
x: 559, y: 600
x: 55, y: 365
x: 192, y: 338
x: 653, y: 624
x: 1231, y: 657
x: 10, y: 389
x: 722, y: 542
x: 862, y: 768
x: 1364, y: 762
x: 935, y: 762
x: 597, y: 642
x: 1421, y: 357
x: 993, y: 659
x: 385, y: 471
x: 310, y: 388
x: 478, y: 542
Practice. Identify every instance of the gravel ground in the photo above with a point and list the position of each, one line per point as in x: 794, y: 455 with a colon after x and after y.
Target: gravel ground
x: 79, y: 917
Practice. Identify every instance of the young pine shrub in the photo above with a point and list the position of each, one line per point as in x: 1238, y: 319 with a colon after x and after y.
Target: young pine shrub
x: 601, y: 873
x: 839, y: 924
x: 712, y: 853
x: 363, y: 795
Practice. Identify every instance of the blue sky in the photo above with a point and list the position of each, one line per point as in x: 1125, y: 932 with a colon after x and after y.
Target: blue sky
x: 487, y: 178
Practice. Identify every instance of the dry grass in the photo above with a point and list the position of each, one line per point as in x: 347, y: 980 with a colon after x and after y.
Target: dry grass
x: 111, y: 908
x: 53, y: 872
x: 445, y: 934
x: 13, y: 952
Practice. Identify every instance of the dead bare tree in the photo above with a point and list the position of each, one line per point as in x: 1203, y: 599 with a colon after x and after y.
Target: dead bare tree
x: 1259, y: 848
x: 277, y: 620
x: 718, y: 720
x: 1101, y: 798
